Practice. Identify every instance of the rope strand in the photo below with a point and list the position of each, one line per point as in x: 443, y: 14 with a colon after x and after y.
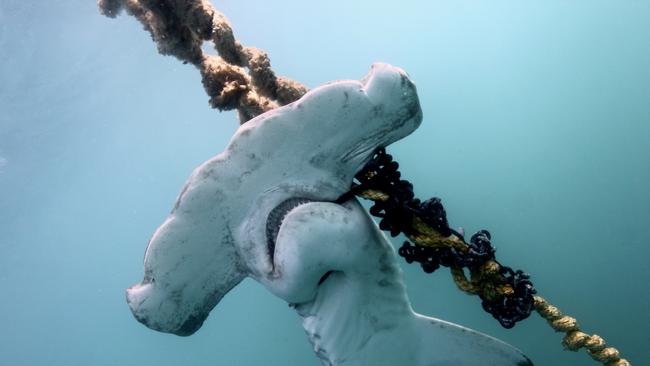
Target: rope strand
x: 574, y: 339
x: 239, y: 78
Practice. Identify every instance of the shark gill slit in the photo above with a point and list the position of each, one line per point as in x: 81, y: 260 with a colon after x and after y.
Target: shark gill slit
x: 275, y: 218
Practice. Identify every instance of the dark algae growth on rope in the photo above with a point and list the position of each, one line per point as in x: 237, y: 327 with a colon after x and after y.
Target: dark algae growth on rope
x: 506, y: 294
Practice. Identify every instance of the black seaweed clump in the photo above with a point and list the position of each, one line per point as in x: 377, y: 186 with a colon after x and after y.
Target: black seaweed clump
x: 397, y: 210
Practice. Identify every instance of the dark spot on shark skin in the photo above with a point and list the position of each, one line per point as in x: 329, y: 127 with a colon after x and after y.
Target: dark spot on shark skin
x: 243, y: 176
x: 377, y: 110
x: 441, y: 325
x: 175, y: 296
x: 233, y: 146
x: 373, y: 320
x: 148, y: 275
x: 318, y: 159
x: 218, y: 195
x: 141, y: 318
x: 385, y: 265
x: 384, y: 282
x: 378, y: 326
x: 346, y: 102
x: 191, y: 325
x: 206, y: 173
x: 525, y: 362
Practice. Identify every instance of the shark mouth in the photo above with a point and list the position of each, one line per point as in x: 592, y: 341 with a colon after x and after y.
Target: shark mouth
x: 275, y: 218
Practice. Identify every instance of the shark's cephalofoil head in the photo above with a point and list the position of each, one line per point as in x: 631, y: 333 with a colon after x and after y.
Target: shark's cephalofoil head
x: 224, y: 221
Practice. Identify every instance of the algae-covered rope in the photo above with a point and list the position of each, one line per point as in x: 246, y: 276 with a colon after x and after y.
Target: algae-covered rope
x: 179, y: 28
x: 506, y: 294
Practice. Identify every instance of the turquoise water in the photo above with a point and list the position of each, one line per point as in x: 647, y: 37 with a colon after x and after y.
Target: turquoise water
x: 536, y: 127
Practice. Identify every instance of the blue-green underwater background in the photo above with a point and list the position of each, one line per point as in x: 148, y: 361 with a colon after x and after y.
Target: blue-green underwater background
x: 536, y: 127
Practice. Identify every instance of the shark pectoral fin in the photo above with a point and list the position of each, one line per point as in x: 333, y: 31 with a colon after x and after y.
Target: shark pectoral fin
x: 447, y: 343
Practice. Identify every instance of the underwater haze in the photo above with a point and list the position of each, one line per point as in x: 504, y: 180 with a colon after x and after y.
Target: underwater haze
x: 536, y: 127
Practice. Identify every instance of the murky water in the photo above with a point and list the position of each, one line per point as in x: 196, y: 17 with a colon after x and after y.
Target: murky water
x: 536, y: 127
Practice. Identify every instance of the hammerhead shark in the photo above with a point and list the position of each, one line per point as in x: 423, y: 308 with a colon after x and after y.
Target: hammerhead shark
x: 266, y: 208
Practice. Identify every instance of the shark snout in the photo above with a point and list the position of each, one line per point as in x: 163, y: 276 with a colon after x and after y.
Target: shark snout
x: 386, y: 80
x: 188, y: 267
x: 164, y: 313
x: 395, y: 95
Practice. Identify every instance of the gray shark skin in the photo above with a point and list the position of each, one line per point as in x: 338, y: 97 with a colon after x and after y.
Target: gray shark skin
x: 264, y: 209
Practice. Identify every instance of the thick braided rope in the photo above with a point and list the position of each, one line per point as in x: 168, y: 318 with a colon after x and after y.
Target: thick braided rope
x: 487, y: 281
x: 574, y: 339
x: 179, y: 28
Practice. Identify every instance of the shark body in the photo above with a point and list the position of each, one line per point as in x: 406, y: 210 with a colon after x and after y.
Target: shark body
x: 264, y: 208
